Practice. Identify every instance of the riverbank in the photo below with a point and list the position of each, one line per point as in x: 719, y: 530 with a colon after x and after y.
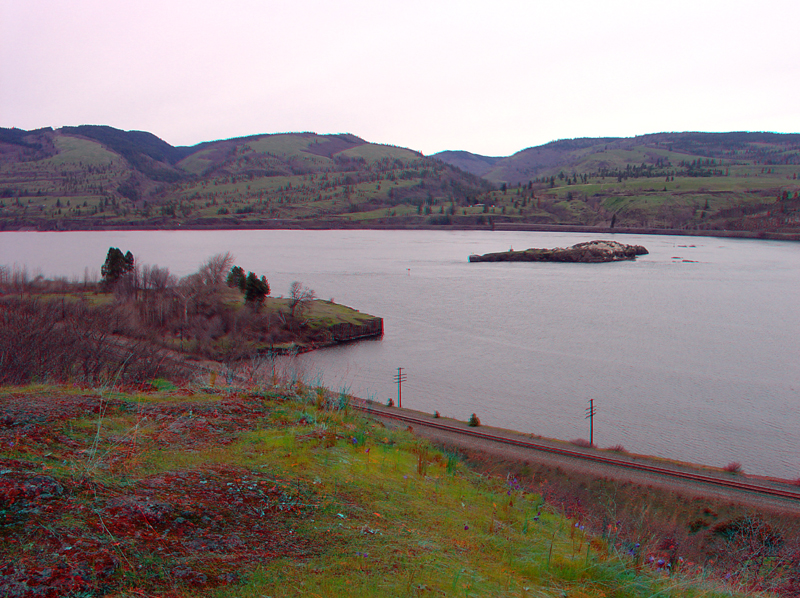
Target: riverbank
x: 324, y: 324
x: 690, y: 522
x: 66, y: 225
x: 59, y: 330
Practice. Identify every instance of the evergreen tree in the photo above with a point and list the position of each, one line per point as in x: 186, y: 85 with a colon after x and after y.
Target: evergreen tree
x: 116, y: 265
x: 237, y: 279
x: 255, y: 290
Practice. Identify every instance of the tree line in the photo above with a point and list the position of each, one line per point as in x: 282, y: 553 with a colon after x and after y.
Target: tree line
x: 94, y: 331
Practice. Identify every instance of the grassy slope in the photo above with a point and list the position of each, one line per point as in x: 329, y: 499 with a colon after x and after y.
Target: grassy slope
x: 282, y: 492
x: 74, y: 151
x: 268, y: 180
x: 751, y: 179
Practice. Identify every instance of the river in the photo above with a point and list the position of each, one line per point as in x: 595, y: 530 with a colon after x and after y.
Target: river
x: 690, y: 352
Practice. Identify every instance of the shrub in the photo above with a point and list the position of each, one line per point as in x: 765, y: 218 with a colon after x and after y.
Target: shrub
x: 582, y: 442
x: 474, y: 421
x: 60, y: 340
x: 733, y: 467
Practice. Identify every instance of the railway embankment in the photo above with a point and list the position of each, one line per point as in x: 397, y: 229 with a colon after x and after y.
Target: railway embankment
x: 647, y: 471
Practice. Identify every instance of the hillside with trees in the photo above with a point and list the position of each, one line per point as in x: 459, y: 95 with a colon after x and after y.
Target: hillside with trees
x: 743, y: 182
x: 96, y: 177
x: 91, y: 177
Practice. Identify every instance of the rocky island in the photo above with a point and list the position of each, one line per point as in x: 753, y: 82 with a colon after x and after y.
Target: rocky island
x: 589, y: 252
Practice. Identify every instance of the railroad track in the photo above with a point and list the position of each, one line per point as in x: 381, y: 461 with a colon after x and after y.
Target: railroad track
x: 740, y: 485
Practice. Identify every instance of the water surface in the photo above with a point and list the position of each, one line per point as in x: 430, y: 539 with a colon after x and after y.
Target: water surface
x: 690, y: 352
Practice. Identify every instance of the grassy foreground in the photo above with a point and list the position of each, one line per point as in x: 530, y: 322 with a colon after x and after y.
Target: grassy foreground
x: 283, y: 491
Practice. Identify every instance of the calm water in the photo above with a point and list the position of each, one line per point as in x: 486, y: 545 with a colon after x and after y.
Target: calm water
x: 695, y: 360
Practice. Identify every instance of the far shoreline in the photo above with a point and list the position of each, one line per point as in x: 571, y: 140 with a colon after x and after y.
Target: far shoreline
x: 333, y: 226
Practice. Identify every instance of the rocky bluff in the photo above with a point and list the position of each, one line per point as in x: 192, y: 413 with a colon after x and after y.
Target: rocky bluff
x: 589, y: 252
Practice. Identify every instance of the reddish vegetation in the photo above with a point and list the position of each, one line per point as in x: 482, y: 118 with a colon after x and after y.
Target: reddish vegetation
x: 190, y: 527
x: 754, y: 549
x: 157, y: 533
x: 80, y: 516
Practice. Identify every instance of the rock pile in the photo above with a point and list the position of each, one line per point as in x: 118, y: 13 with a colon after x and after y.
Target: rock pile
x: 589, y: 252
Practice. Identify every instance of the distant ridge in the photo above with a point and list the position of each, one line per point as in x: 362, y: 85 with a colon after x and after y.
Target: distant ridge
x: 474, y: 163
x: 99, y: 177
x: 144, y: 151
x: 95, y: 176
x: 585, y: 154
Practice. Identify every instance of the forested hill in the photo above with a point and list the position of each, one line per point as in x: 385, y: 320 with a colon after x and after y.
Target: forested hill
x: 92, y: 177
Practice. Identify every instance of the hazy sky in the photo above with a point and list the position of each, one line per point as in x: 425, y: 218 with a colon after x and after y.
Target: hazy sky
x: 490, y: 77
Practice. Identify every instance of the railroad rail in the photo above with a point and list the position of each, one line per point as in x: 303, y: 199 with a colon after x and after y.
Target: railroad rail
x: 740, y: 485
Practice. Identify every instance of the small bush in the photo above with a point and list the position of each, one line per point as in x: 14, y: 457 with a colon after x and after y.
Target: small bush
x: 581, y: 442
x: 474, y: 421
x: 453, y: 460
x: 617, y: 448
x: 733, y: 467
x: 422, y: 459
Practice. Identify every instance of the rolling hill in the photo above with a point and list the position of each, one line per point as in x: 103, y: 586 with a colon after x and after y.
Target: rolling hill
x: 679, y: 181
x: 94, y: 177
x: 98, y: 177
x: 664, y: 151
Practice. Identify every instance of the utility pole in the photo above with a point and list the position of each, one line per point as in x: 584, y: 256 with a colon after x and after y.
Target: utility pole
x: 590, y: 413
x: 399, y: 378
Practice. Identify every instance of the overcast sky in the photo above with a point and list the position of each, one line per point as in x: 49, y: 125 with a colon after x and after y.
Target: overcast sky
x: 490, y: 77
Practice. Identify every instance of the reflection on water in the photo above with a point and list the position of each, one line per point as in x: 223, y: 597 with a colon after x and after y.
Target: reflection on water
x: 689, y: 352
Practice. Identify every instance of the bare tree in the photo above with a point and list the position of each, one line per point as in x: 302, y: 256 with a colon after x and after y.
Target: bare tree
x: 157, y: 279
x: 127, y: 286
x: 299, y: 298
x: 216, y: 268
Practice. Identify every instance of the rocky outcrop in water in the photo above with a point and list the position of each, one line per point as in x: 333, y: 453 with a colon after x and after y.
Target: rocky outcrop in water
x: 590, y: 252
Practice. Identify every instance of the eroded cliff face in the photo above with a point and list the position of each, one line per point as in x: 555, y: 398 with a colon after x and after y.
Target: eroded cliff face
x: 589, y: 252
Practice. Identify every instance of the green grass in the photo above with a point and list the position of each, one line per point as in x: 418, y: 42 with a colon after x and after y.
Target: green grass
x: 74, y: 151
x: 372, y: 152
x: 407, y: 533
x: 287, y: 144
x: 402, y: 210
x: 380, y: 511
x: 327, y: 313
x: 320, y: 312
